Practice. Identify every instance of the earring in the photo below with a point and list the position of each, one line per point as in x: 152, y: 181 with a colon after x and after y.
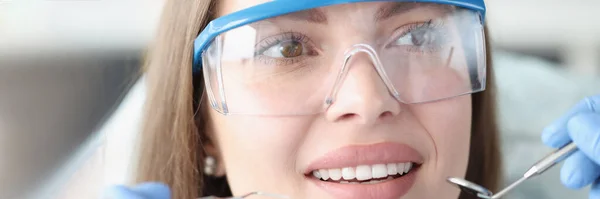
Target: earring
x: 209, y: 165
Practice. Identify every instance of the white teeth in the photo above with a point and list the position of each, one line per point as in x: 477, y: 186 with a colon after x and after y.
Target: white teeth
x: 392, y: 169
x: 317, y: 174
x: 407, y: 167
x: 379, y: 171
x: 335, y: 174
x: 400, y: 167
x: 324, y: 174
x: 348, y: 173
x: 364, y: 173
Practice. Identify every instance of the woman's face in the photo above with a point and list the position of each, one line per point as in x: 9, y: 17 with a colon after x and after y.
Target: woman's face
x: 365, y: 145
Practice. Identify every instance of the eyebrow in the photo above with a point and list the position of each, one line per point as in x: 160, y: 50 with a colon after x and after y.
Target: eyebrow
x: 396, y: 8
x: 315, y: 15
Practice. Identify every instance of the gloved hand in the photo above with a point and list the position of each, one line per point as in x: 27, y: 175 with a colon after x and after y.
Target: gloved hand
x: 150, y: 190
x: 582, y: 126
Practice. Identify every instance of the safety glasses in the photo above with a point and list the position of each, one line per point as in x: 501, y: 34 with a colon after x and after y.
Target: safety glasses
x: 291, y: 57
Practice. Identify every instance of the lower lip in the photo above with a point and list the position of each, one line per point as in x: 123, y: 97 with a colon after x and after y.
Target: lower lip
x: 391, y: 189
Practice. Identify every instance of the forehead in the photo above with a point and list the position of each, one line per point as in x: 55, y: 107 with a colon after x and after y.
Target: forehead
x: 228, y: 6
x: 380, y: 9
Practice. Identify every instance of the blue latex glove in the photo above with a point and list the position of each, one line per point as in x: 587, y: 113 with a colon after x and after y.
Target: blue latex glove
x: 150, y: 190
x: 582, y: 126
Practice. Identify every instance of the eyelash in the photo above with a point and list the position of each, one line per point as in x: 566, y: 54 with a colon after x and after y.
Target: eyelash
x: 269, y: 42
x: 430, y: 24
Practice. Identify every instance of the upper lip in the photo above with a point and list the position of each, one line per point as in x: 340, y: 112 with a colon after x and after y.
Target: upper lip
x: 351, y: 156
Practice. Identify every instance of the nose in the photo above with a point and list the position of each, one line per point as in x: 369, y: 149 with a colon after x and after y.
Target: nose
x: 362, y: 95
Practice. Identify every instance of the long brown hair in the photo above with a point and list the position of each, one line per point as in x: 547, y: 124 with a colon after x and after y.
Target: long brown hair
x: 172, y: 135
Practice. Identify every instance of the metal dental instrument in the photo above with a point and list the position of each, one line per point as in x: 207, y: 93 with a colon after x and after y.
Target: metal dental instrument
x: 256, y: 193
x: 538, y: 168
x: 471, y: 188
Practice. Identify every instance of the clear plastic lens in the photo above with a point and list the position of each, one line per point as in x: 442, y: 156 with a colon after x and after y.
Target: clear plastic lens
x: 290, y: 64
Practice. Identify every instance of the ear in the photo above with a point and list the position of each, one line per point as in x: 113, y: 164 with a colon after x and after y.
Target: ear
x: 213, y: 150
x: 208, y: 137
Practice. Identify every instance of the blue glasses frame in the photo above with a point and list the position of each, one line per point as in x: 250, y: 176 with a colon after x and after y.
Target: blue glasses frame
x: 281, y: 7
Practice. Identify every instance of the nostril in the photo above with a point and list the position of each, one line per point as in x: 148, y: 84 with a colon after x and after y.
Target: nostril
x: 347, y: 116
x: 387, y: 114
x: 353, y: 116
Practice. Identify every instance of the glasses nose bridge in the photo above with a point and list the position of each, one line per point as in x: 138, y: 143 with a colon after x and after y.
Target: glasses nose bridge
x: 343, y: 72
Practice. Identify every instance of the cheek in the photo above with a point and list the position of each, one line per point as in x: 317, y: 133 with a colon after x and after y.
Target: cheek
x: 449, y: 125
x: 265, y: 146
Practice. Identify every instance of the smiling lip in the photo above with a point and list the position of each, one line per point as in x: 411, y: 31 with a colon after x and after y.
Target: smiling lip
x: 353, y: 156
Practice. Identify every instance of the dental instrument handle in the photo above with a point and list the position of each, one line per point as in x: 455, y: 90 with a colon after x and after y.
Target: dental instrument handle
x: 510, y: 187
x: 541, y: 166
x: 550, y: 160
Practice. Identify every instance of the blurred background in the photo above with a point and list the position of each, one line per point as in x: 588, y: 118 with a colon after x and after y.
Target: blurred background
x: 71, y: 92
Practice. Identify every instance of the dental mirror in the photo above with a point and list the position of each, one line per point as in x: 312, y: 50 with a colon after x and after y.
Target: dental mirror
x: 537, y: 169
x: 471, y: 188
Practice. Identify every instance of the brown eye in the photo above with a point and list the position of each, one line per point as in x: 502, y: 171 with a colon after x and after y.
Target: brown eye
x: 291, y: 49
